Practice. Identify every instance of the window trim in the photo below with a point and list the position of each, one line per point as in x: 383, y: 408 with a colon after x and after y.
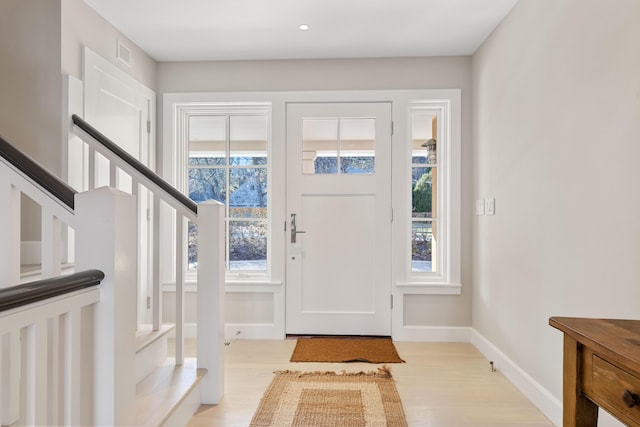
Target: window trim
x: 402, y: 282
x: 447, y: 278
x: 183, y: 112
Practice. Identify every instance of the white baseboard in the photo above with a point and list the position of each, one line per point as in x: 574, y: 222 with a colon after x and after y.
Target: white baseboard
x: 550, y: 406
x: 432, y: 334
x: 189, y: 330
x: 252, y: 331
x: 246, y: 331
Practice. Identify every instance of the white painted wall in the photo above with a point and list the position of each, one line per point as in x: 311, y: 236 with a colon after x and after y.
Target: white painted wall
x: 556, y: 109
x: 82, y: 26
x: 352, y: 74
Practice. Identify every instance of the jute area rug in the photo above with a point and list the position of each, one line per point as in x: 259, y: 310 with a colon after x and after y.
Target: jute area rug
x: 327, y: 399
x: 340, y: 350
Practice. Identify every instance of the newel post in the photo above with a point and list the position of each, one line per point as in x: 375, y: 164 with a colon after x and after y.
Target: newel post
x: 210, y: 345
x: 105, y: 234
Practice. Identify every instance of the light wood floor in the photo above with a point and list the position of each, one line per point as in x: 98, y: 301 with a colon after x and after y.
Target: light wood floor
x: 441, y: 385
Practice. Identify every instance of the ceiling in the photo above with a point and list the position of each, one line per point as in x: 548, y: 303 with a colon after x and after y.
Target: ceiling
x: 207, y: 30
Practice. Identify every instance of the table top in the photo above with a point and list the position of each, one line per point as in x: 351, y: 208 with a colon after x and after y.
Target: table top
x: 616, y: 339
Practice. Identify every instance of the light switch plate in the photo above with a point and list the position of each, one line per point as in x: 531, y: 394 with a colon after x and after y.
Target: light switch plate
x: 490, y: 206
x: 480, y: 207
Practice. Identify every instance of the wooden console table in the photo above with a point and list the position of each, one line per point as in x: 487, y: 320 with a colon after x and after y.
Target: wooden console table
x: 601, y: 368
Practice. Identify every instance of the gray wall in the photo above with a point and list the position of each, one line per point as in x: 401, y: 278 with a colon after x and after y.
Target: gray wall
x: 556, y: 110
x: 31, y: 88
x: 353, y: 74
x: 30, y: 81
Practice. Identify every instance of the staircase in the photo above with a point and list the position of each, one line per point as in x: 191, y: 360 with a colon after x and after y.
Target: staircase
x: 124, y: 373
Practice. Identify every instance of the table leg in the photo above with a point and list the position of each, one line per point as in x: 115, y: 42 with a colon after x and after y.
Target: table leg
x: 578, y: 411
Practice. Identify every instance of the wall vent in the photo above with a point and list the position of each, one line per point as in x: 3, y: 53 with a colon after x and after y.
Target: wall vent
x: 123, y: 53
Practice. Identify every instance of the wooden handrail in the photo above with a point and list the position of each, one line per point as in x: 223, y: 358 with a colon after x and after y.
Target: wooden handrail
x: 38, y: 174
x: 20, y: 295
x: 136, y: 164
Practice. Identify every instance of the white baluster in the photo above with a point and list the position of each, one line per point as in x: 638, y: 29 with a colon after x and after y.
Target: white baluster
x: 181, y: 244
x: 10, y: 384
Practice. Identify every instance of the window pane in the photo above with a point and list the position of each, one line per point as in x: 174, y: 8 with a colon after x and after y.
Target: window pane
x: 248, y: 140
x: 208, y: 139
x: 423, y: 199
x: 357, y: 145
x: 419, y: 159
x: 248, y: 193
x: 423, y: 134
x: 207, y: 161
x: 192, y: 247
x: 247, y: 245
x: 357, y: 165
x: 319, y: 145
x: 207, y: 184
x: 422, y: 246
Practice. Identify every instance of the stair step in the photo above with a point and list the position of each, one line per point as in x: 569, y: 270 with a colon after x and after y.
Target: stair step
x: 170, y: 392
x: 145, y: 335
x: 151, y: 349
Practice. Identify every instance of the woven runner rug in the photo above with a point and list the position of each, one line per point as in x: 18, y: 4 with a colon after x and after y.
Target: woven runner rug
x: 340, y: 350
x: 327, y: 399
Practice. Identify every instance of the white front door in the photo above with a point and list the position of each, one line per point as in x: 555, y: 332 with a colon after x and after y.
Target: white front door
x: 339, y: 218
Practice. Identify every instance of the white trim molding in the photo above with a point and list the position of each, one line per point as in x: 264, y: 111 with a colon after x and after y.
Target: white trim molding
x: 546, y: 402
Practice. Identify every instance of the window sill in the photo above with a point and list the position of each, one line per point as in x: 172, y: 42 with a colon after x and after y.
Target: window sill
x: 422, y: 288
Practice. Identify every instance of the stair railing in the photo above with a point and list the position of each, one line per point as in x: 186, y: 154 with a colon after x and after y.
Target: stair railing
x: 65, y: 358
x: 209, y: 219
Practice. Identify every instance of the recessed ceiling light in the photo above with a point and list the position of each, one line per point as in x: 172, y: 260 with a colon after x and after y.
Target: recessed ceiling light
x: 303, y: 27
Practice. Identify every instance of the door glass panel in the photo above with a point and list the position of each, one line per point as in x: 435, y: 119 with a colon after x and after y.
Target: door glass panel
x: 319, y: 146
x: 342, y: 145
x: 357, y: 145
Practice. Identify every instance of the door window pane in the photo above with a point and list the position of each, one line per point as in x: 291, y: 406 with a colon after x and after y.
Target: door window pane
x: 338, y: 145
x: 357, y: 145
x: 320, y: 146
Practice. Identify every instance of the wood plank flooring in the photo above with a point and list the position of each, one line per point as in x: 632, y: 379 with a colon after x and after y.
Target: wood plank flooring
x: 441, y: 385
